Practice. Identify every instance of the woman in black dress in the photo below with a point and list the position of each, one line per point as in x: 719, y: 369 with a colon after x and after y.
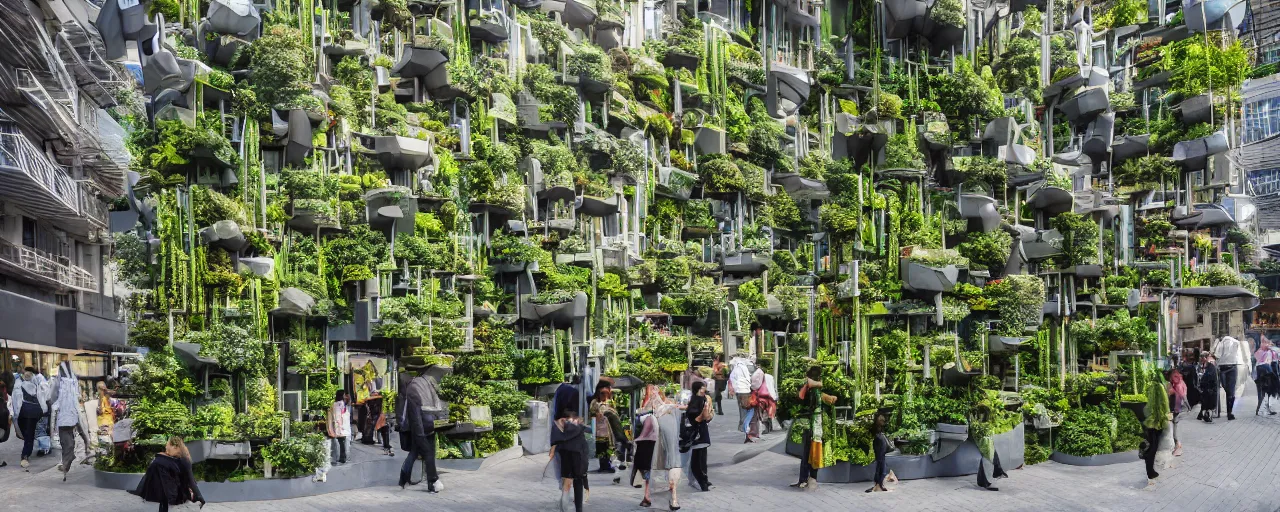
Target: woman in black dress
x: 169, y: 480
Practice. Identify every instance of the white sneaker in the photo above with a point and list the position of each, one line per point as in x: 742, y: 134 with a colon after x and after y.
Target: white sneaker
x: 438, y: 485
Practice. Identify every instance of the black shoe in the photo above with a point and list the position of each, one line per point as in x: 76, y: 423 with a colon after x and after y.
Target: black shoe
x: 705, y: 488
x: 991, y: 488
x: 1230, y: 416
x: 1208, y: 419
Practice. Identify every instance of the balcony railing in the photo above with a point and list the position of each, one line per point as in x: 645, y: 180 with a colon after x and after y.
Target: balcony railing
x: 91, y: 207
x: 18, y: 152
x: 49, y: 267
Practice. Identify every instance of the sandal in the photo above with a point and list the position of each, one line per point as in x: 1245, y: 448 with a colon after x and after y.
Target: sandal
x: 646, y: 503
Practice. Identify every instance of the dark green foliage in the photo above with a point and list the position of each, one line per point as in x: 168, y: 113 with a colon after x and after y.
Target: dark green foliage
x: 990, y: 250
x: 1079, y: 238
x: 281, y: 65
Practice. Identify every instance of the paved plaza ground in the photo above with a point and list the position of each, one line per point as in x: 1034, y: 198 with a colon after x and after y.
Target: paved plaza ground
x: 1226, y: 466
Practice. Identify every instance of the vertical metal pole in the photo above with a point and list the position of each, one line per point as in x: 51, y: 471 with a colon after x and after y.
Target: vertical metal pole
x: 813, y: 340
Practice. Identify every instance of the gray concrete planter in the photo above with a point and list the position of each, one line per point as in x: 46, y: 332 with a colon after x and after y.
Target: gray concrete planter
x: 1097, y: 142
x: 382, y: 205
x: 1193, y: 155
x: 904, y: 17
x: 787, y: 88
x: 709, y: 140
x: 1129, y: 146
x: 1052, y: 200
x: 922, y: 278
x: 1001, y: 344
x: 1196, y: 109
x: 1105, y: 459
x: 560, y: 315
x: 981, y: 208
x: 580, y: 14
x: 746, y: 263
x: 1083, y: 107
x: 598, y: 206
x: 800, y: 187
x: 960, y: 462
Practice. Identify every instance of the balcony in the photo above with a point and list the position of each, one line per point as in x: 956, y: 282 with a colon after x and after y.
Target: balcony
x: 42, y: 267
x: 43, y: 188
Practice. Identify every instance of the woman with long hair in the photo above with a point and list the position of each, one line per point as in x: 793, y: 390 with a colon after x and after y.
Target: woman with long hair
x: 169, y: 480
x: 1177, y: 401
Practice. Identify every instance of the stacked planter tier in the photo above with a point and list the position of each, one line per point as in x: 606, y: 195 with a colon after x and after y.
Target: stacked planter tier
x: 963, y: 461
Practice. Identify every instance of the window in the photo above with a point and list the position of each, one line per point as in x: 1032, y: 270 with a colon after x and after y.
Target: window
x: 29, y: 232
x: 1261, y: 120
x: 1220, y: 324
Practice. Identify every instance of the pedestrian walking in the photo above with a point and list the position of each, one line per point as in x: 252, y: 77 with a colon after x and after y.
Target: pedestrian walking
x: 880, y: 447
x: 1177, y: 403
x: 1208, y: 386
x: 569, y: 444
x: 169, y: 480
x: 720, y: 373
x: 1156, y: 416
x: 65, y: 398
x: 608, y: 430
x: 811, y: 397
x: 26, y: 406
x: 1232, y: 356
x: 646, y: 441
x: 766, y: 399
x: 667, y: 451
x: 106, y: 418
x: 740, y: 385
x: 1265, y: 377
x: 419, y: 412
x: 339, y: 427
x: 697, y: 436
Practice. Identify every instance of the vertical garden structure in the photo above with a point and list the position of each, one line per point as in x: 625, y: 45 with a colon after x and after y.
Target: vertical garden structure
x: 970, y: 217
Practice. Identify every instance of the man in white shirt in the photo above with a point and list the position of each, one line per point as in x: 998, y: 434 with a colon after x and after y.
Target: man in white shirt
x: 1230, y: 354
x: 740, y: 385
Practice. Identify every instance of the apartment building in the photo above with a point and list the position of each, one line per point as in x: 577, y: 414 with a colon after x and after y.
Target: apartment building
x: 62, y: 159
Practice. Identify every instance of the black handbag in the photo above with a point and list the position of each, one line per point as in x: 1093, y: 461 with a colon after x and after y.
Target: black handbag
x: 688, y: 434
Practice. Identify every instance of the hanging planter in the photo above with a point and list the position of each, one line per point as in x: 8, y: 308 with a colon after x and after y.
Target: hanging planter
x: 904, y: 17
x: 1083, y: 107
x: 787, y: 89
x: 1098, y: 138
x: 1193, y: 155
x: 1127, y: 147
x: 580, y: 14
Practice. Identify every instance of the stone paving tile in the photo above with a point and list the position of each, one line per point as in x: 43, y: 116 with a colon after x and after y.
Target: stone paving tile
x: 1227, y: 466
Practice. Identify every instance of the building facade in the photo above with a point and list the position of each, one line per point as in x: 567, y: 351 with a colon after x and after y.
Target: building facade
x: 62, y: 160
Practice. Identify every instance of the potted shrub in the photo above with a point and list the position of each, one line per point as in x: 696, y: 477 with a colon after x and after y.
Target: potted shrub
x: 931, y: 270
